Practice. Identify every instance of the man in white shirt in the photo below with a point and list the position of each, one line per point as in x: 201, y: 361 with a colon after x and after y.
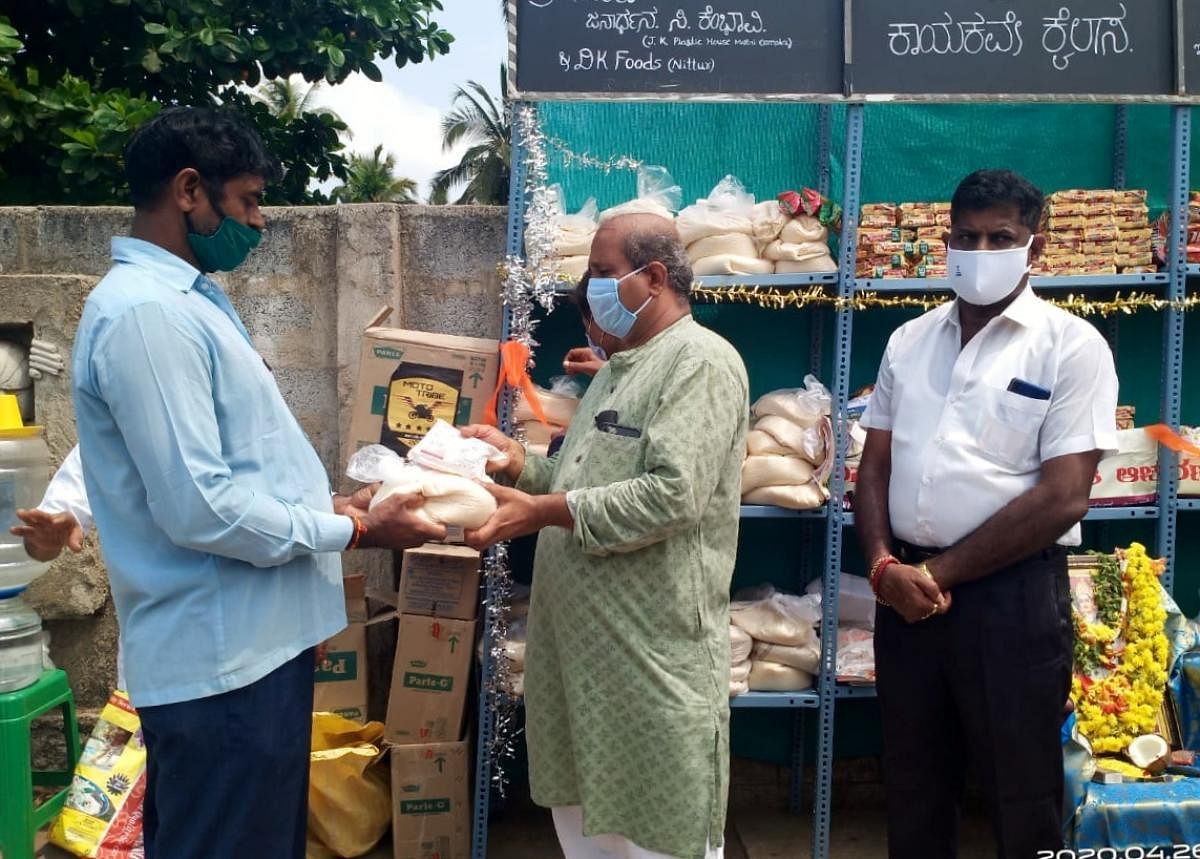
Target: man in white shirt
x: 63, y: 517
x: 987, y: 422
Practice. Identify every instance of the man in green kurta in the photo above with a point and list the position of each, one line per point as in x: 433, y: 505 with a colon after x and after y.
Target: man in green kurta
x: 627, y: 660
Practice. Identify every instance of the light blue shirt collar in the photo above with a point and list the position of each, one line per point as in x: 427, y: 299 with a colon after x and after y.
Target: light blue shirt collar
x: 165, y: 266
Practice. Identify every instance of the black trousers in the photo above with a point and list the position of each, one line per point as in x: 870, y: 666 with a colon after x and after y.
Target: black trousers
x: 227, y: 776
x: 984, y: 685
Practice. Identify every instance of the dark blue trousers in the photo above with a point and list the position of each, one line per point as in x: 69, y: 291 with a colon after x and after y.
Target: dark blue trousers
x: 982, y: 687
x: 227, y: 776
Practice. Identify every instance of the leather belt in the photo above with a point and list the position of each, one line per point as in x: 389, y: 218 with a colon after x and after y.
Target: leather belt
x: 912, y: 554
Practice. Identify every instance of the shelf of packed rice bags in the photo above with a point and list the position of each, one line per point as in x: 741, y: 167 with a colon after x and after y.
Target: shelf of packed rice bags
x: 775, y: 639
x: 1088, y: 232
x: 789, y: 448
x: 727, y: 234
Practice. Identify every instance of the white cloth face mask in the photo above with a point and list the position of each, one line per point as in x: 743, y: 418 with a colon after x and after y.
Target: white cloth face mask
x: 986, y: 277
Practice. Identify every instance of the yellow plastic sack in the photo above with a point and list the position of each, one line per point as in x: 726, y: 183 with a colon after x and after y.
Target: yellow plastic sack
x: 349, y: 802
x: 102, y: 818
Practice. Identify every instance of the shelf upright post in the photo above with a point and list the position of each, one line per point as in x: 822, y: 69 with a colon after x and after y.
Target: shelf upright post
x: 796, y: 795
x: 1120, y: 145
x: 824, y: 181
x: 1120, y: 160
x: 1172, y: 375
x: 834, y: 533
x: 486, y: 722
x: 816, y: 320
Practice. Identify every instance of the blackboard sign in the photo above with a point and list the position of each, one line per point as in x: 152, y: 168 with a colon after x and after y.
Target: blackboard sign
x: 1036, y: 47
x: 1191, y: 46
x: 677, y: 48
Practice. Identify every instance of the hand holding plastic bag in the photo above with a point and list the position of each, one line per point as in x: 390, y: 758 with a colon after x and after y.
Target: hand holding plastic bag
x: 449, y: 499
x: 445, y: 449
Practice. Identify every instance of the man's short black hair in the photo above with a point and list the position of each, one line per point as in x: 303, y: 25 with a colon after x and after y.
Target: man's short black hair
x: 219, y: 144
x: 985, y: 189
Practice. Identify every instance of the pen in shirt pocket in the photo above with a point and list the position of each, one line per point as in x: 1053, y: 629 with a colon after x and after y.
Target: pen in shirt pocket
x: 1027, y: 389
x: 606, y: 421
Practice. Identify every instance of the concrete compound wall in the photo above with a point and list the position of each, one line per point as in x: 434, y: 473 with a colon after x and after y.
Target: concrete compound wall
x: 305, y: 296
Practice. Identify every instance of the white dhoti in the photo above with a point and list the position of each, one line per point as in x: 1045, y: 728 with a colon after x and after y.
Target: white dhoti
x: 568, y: 824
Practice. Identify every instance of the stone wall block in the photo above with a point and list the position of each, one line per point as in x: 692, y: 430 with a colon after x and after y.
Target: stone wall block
x: 449, y: 257
x: 76, y: 239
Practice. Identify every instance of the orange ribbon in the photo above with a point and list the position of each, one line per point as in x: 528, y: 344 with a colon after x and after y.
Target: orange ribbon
x: 1171, y: 440
x: 514, y: 372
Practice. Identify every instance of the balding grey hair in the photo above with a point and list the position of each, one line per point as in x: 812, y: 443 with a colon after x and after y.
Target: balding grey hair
x: 643, y: 246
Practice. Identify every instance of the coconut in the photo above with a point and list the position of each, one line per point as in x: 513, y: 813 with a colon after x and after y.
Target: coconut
x: 1150, y: 752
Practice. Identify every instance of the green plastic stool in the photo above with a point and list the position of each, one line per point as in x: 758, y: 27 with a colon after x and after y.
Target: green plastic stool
x: 19, y: 820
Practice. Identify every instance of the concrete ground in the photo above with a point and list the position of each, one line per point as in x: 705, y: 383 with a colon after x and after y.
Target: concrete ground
x: 529, y: 834
x: 751, y: 835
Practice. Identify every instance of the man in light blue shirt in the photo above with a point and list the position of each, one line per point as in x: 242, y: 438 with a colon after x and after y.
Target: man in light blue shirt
x: 216, y: 519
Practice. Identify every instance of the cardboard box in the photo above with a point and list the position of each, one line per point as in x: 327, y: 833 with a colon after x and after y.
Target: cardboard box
x: 409, y: 379
x: 341, y: 678
x: 429, y: 679
x: 440, y: 581
x: 431, y: 801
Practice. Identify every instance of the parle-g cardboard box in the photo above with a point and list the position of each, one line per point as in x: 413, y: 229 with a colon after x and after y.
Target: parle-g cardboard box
x: 430, y: 679
x: 341, y: 678
x: 409, y: 379
x: 431, y: 805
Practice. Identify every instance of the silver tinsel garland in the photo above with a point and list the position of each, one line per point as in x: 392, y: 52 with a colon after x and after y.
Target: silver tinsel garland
x: 498, y: 685
x: 532, y: 280
x: 529, y: 282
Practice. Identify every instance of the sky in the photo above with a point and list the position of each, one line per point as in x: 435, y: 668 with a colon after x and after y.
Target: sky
x: 404, y: 111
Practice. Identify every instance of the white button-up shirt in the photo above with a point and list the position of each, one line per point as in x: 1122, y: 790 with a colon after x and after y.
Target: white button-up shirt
x: 963, y: 444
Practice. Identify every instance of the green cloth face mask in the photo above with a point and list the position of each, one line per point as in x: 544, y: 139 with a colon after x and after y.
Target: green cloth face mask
x: 225, y: 249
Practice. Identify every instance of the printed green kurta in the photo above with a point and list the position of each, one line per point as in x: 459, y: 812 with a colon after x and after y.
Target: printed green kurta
x: 627, y: 661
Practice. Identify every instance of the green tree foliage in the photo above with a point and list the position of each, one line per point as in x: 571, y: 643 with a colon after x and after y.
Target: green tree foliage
x: 485, y: 124
x: 372, y: 179
x: 78, y: 76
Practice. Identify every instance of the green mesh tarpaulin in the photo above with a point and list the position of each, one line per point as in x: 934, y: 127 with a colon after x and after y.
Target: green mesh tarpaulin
x: 911, y: 153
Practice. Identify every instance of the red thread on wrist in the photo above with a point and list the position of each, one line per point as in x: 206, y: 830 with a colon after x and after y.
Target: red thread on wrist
x: 360, y: 531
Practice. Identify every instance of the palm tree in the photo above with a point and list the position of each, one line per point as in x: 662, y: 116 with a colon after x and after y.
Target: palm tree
x: 477, y: 119
x: 289, y: 99
x: 372, y: 179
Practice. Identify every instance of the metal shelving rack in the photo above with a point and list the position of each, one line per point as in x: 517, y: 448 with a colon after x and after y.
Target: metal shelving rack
x: 824, y: 697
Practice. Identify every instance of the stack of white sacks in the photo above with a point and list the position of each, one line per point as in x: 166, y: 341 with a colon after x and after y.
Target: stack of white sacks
x: 559, y: 403
x: 727, y: 233
x: 573, y: 240
x: 801, y: 248
x: 657, y: 194
x: 773, y: 641
x: 775, y: 637
x: 789, y: 448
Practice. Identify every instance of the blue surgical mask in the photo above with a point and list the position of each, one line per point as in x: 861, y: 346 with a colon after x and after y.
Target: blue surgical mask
x: 596, y: 348
x: 609, y: 314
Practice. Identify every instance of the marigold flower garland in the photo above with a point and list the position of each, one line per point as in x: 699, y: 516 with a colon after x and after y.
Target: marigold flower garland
x: 1113, y: 709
